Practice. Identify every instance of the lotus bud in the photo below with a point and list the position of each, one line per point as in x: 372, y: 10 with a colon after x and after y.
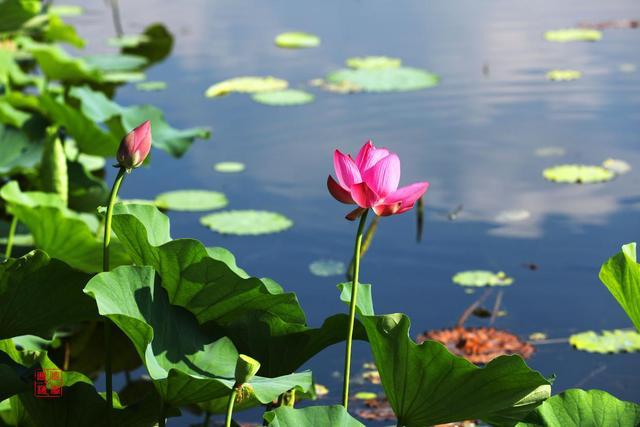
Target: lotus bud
x: 135, y: 147
x: 246, y: 368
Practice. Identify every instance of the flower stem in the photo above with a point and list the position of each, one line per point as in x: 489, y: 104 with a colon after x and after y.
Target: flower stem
x: 352, y: 309
x: 12, y: 232
x: 232, y: 400
x: 105, y: 267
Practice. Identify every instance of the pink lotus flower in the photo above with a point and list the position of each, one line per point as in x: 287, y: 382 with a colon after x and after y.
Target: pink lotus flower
x: 135, y: 147
x: 371, y: 181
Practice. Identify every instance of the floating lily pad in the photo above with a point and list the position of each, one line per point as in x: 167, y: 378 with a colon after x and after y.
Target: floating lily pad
x: 297, y: 40
x: 578, y: 174
x: 538, y: 336
x: 327, y: 267
x: 249, y: 84
x: 564, y: 75
x: 365, y: 395
x: 550, y: 151
x: 627, y: 68
x: 616, y: 165
x: 399, y: 79
x: 151, y: 86
x: 357, y: 62
x: 191, y: 200
x: 513, y: 215
x: 482, y: 278
x: 572, y: 35
x: 615, y: 341
x: 137, y: 202
x: 321, y: 390
x: 229, y: 167
x: 283, y: 97
x: 246, y: 222
x: 342, y: 87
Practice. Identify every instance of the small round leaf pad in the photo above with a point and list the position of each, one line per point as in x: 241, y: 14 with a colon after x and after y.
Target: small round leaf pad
x: 246, y: 222
x: 615, y: 341
x: 229, y: 167
x: 297, y: 40
x: 564, y: 75
x: 578, y: 174
x: 480, y: 278
x: 401, y: 79
x: 191, y: 200
x: 248, y: 84
x: 284, y: 97
x: 373, y: 62
x: 573, y: 35
x: 327, y: 267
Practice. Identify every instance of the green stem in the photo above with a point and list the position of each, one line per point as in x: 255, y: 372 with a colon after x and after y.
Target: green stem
x: 352, y: 309
x: 105, y: 267
x: 207, y: 419
x: 12, y: 232
x: 232, y: 400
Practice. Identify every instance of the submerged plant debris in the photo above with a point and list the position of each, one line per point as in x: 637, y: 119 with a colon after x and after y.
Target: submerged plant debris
x: 327, y: 268
x: 479, y: 345
x: 617, y: 165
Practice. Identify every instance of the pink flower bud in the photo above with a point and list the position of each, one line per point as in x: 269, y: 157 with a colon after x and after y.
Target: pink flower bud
x: 135, y: 147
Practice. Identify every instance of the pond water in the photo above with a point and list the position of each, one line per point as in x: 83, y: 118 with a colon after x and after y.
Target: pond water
x: 474, y: 137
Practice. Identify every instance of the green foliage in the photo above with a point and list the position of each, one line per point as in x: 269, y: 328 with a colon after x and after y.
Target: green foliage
x: 283, y: 98
x: 621, y: 275
x: 297, y: 40
x: 334, y: 416
x: 580, y: 408
x: 53, y: 167
x: 39, y: 294
x: 578, y: 174
x: 481, y: 278
x: 427, y: 385
x: 16, y: 12
x: 62, y: 233
x: 17, y: 153
x: 573, y: 34
x: 249, y: 84
x: 191, y: 200
x: 186, y: 364
x: 373, y: 62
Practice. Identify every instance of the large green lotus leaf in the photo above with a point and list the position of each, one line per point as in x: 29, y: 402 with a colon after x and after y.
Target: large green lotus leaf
x: 56, y: 30
x: 16, y: 12
x: 297, y: 40
x: 17, y: 153
x: 283, y: 98
x: 573, y: 34
x: 80, y: 403
x: 399, y: 79
x: 373, y: 62
x: 155, y: 44
x: 615, y: 341
x: 65, y: 10
x: 56, y: 64
x: 247, y: 84
x: 10, y: 69
x: 39, y: 294
x: 186, y: 365
x: 621, y: 275
x: 578, y: 174
x: 86, y: 191
x: 62, y: 233
x: 427, y: 385
x: 256, y: 314
x: 246, y: 222
x: 191, y: 200
x: 95, y: 105
x: 12, y: 116
x: 580, y: 408
x: 334, y: 416
x: 191, y: 275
